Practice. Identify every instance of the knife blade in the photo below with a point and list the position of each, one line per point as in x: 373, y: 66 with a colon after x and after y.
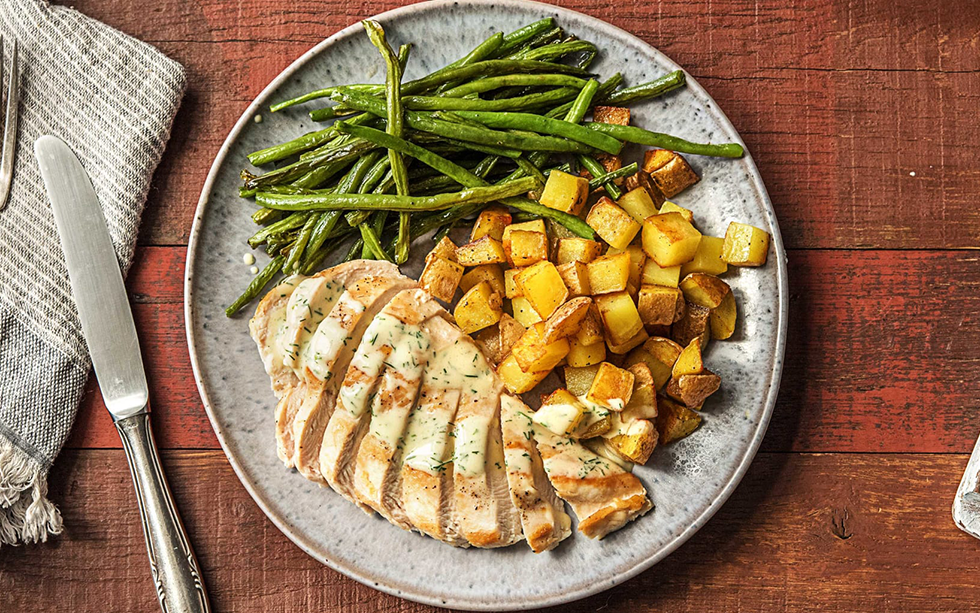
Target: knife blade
x: 107, y: 324
x: 96, y: 280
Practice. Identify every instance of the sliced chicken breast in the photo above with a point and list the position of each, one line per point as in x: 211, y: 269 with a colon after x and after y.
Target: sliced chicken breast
x: 603, y: 496
x: 266, y: 327
x: 543, y: 516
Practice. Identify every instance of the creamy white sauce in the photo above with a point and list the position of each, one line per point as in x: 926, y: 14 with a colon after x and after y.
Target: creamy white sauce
x: 332, y: 335
x: 404, y: 370
x: 277, y: 322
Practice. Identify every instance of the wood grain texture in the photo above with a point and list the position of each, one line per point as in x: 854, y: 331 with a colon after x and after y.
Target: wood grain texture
x: 881, y: 355
x: 836, y: 113
x: 803, y: 532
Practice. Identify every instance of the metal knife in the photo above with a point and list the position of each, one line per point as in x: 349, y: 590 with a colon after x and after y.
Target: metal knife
x: 107, y: 323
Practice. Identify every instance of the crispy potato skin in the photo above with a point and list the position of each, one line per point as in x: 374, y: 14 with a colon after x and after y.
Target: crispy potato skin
x: 441, y: 277
x: 694, y: 324
x: 675, y: 421
x: 669, y: 171
x: 692, y: 390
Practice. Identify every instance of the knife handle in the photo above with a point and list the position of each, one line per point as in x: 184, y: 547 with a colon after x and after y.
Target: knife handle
x: 176, y: 575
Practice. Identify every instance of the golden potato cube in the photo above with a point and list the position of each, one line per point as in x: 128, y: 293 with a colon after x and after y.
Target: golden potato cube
x: 619, y: 317
x: 577, y: 249
x: 636, y: 341
x: 543, y: 287
x: 658, y: 305
x: 692, y: 390
x: 612, y: 387
x: 524, y: 313
x: 637, y: 261
x: 579, y: 380
x: 669, y: 171
x: 478, y: 308
x: 609, y: 273
x: 704, y: 289
x: 643, y: 403
x: 567, y: 319
x: 745, y: 245
x: 445, y: 248
x: 489, y: 341
x: 670, y: 239
x: 670, y: 207
x: 491, y: 273
x: 511, y: 331
x: 516, y: 380
x: 664, y: 353
x: 638, y: 203
x: 486, y: 250
x: 694, y: 324
x: 560, y: 412
x: 580, y: 355
x: 491, y: 222
x: 618, y: 115
x: 642, y: 180
x: 655, y: 274
x: 590, y: 329
x: 565, y: 192
x: 722, y: 318
x: 638, y: 441
x: 527, y: 248
x: 510, y: 285
x: 576, y: 278
x: 533, y: 354
x: 707, y: 258
x: 535, y: 225
x: 613, y: 224
x: 690, y: 361
x: 675, y: 421
x: 441, y: 277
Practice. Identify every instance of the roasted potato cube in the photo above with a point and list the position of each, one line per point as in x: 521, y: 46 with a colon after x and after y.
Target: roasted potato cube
x: 670, y: 207
x: 613, y: 224
x: 619, y: 317
x: 637, y: 261
x: 636, y: 341
x: 567, y: 319
x: 722, y: 318
x: 655, y: 274
x: 745, y: 245
x: 675, y: 421
x: 491, y: 273
x: 670, y: 239
x: 560, y: 412
x: 478, y: 308
x: 580, y: 355
x: 533, y: 354
x: 659, y: 354
x: 524, y: 313
x: 609, y: 273
x: 659, y: 305
x: 577, y: 250
x: 692, y: 390
x: 489, y: 340
x: 579, y: 380
x: 536, y: 225
x: 694, y: 324
x: 690, y: 361
x: 516, y: 380
x: 612, y: 387
x: 669, y: 171
x: 637, y: 442
x: 595, y: 423
x: 527, y: 248
x: 486, y: 250
x: 491, y: 222
x: 445, y: 248
x: 590, y: 329
x: 638, y: 203
x: 510, y: 285
x: 642, y: 179
x: 441, y: 277
x: 565, y: 192
x: 543, y: 287
x: 511, y: 331
x: 576, y: 278
x: 704, y: 289
x: 643, y: 403
x: 618, y: 115
x: 707, y: 258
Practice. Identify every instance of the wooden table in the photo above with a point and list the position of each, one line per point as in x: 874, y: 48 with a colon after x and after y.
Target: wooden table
x: 863, y: 118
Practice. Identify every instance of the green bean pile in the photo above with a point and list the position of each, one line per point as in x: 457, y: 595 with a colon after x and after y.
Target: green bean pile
x: 405, y: 158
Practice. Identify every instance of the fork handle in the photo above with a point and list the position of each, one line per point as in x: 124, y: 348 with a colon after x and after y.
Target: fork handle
x: 176, y: 575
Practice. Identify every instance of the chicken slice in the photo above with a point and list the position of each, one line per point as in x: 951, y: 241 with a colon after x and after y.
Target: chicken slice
x: 603, y: 496
x: 543, y: 516
x: 267, y: 326
x: 354, y: 310
x: 377, y: 474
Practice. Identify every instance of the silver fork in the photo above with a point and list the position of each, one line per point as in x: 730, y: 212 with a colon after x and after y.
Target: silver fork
x: 10, y: 94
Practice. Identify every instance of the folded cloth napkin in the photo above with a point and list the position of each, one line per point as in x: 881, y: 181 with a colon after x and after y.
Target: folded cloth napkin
x: 112, y: 99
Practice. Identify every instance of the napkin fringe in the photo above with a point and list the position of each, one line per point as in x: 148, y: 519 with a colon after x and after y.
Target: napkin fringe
x: 26, y: 514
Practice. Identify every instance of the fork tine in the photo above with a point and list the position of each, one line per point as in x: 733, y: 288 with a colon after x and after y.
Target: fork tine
x: 12, y: 91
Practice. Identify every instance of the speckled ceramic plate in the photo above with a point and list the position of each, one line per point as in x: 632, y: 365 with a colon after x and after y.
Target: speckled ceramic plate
x: 688, y: 481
